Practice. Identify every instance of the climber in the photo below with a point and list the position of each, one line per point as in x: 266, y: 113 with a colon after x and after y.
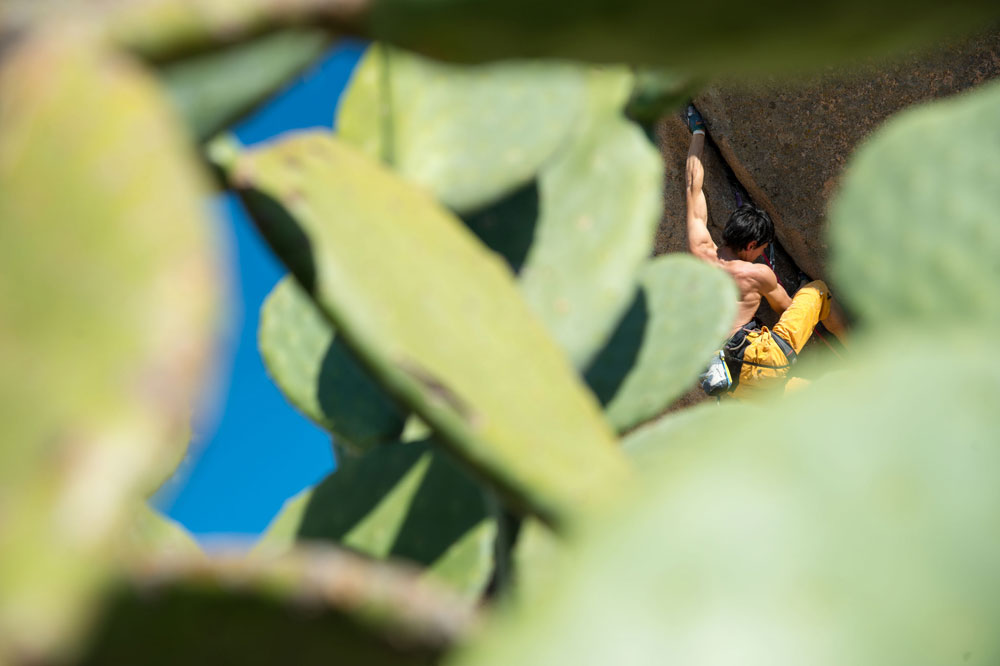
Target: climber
x: 756, y: 357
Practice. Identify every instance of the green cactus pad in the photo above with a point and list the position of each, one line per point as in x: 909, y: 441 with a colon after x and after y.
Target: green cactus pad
x: 467, y: 134
x: 319, y: 374
x: 580, y: 233
x: 313, y: 606
x: 682, y: 313
x: 149, y: 534
x: 508, y: 226
x: 852, y: 522
x: 213, y: 90
x: 577, y: 246
x: 657, y: 92
x: 600, y: 205
x: 402, y: 501
x: 914, y: 233
x: 535, y: 555
x: 106, y: 318
x: 650, y: 439
x: 437, y: 318
x: 743, y: 37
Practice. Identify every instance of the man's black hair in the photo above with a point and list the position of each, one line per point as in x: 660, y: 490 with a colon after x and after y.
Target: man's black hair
x: 747, y: 223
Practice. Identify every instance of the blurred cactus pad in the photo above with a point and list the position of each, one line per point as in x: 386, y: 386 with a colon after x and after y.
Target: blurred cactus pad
x: 473, y: 313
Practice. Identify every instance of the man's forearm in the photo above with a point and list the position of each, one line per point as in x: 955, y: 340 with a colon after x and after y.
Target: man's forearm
x: 699, y: 240
x: 694, y: 171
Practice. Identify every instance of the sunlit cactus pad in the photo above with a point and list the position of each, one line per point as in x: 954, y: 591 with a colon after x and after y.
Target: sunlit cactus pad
x: 148, y: 534
x: 212, y: 90
x: 402, y: 501
x: 915, y: 232
x: 467, y: 134
x: 581, y: 228
x: 682, y: 313
x: 789, y: 530
x: 599, y: 207
x: 320, y: 375
x: 436, y: 317
x: 106, y: 318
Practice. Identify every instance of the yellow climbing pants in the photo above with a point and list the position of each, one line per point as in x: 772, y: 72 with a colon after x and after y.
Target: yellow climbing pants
x: 810, y: 305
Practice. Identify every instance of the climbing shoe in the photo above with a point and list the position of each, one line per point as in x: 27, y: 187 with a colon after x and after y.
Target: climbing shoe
x: 694, y: 119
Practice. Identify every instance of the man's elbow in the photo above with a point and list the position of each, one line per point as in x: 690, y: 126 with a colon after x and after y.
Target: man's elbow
x: 703, y: 251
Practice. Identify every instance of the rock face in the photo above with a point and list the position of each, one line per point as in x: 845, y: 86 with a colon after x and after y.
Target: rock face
x: 788, y: 144
x: 784, y: 147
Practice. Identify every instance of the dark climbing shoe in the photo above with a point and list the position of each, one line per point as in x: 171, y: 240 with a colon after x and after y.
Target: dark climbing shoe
x: 694, y: 119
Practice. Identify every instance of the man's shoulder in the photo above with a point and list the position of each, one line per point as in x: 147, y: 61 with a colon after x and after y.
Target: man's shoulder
x: 762, y: 269
x: 764, y: 276
x: 757, y: 277
x: 746, y: 269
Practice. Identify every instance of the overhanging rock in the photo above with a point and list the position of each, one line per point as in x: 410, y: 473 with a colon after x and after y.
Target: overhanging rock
x: 789, y: 144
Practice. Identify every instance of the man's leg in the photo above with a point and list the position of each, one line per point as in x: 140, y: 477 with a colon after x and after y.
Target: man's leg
x: 835, y: 322
x: 810, y: 305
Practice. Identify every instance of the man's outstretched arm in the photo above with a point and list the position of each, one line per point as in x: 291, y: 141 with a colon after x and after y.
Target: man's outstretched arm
x: 700, y: 242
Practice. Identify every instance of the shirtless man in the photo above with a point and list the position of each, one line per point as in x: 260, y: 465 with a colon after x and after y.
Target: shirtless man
x: 757, y: 357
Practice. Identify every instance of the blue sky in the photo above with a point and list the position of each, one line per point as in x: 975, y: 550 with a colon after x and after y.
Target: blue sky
x: 251, y: 450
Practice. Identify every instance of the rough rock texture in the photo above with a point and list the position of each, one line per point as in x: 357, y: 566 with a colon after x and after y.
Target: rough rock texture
x: 788, y: 144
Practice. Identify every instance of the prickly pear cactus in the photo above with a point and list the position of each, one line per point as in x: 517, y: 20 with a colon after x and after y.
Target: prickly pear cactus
x: 315, y: 602
x: 212, y: 90
x: 469, y: 135
x: 577, y: 245
x: 437, y: 319
x: 535, y: 556
x: 320, y: 375
x: 106, y: 319
x: 403, y: 501
x: 590, y: 241
x: 148, y: 534
x: 847, y: 522
x: 914, y: 236
x: 682, y: 313
x: 851, y: 522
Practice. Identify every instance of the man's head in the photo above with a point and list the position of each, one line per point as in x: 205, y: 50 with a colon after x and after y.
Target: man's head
x: 748, y: 232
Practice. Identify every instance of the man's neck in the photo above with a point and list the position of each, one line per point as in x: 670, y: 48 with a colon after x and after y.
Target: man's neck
x: 726, y: 254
